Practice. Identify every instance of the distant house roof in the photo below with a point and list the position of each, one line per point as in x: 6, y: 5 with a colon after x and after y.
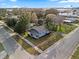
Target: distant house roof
x: 69, y: 20
x: 38, y: 31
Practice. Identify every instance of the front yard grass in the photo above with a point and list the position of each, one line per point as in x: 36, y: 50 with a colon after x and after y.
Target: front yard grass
x: 67, y: 28
x: 1, y: 47
x: 25, y: 45
x: 46, y: 41
x: 76, y: 54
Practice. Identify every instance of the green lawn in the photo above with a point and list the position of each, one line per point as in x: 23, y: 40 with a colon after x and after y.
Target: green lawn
x: 76, y: 54
x: 46, y: 41
x: 66, y: 28
x: 1, y: 47
x: 26, y: 46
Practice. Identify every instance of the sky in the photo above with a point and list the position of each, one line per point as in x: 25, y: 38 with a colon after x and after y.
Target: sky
x: 39, y: 3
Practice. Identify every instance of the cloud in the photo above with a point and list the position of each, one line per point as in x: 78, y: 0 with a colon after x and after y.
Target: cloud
x: 65, y: 1
x: 13, y: 0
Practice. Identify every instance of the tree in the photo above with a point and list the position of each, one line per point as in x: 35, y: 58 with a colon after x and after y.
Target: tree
x: 55, y: 21
x: 39, y: 12
x: 1, y: 18
x: 49, y: 22
x: 51, y: 11
x: 11, y: 22
x: 3, y: 12
x: 34, y: 18
x: 40, y: 21
x: 59, y: 21
x: 22, y: 24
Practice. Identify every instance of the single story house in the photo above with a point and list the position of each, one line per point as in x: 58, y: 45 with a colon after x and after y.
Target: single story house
x: 38, y: 31
x: 70, y: 20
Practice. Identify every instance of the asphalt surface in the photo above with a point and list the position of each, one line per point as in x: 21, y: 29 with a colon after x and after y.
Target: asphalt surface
x: 13, y: 49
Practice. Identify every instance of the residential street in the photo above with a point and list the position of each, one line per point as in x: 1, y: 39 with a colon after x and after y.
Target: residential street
x: 63, y: 48
x: 14, y: 50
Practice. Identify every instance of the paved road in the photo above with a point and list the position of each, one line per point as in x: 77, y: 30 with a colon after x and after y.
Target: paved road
x: 14, y: 50
x: 63, y: 48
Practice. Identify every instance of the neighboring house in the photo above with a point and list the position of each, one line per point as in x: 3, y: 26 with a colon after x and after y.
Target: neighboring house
x: 38, y: 31
x: 66, y: 12
x: 70, y: 19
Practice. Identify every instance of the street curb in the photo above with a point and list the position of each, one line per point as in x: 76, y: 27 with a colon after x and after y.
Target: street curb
x: 61, y: 40
x: 74, y: 51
